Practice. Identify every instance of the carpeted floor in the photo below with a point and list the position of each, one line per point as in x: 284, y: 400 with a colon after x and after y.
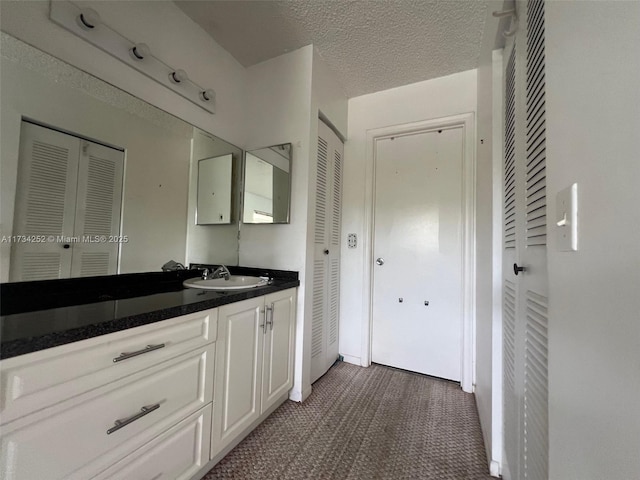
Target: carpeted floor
x: 365, y: 424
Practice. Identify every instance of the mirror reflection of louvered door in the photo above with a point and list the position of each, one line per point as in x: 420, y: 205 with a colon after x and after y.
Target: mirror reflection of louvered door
x: 100, y: 173
x: 525, y: 281
x: 68, y: 198
x: 326, y: 265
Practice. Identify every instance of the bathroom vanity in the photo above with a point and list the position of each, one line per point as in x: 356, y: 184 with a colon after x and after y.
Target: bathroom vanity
x: 159, y: 385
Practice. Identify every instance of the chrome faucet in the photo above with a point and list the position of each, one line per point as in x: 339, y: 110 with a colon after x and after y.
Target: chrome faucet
x: 205, y: 274
x: 221, y: 272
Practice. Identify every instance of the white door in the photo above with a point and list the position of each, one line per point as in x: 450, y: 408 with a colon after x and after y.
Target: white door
x: 326, y: 263
x: 417, y: 291
x: 525, y: 284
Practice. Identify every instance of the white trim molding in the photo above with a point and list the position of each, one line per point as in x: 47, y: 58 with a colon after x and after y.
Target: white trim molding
x: 496, y: 445
x: 467, y: 122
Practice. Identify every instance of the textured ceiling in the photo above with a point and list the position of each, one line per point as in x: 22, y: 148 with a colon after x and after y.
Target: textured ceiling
x: 371, y: 45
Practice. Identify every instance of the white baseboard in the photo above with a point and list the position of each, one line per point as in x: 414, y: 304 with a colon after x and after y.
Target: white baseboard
x: 300, y: 396
x: 494, y: 469
x: 351, y: 359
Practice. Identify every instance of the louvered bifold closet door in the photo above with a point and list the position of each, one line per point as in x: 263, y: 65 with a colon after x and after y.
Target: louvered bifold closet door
x: 319, y: 306
x: 97, y: 219
x: 535, y: 401
x: 334, y: 251
x: 326, y: 272
x: 525, y: 292
x: 46, y: 185
x: 510, y: 328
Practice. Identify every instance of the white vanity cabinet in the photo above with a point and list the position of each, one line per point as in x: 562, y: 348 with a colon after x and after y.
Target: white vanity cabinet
x: 254, y: 364
x: 77, y: 410
x: 161, y: 401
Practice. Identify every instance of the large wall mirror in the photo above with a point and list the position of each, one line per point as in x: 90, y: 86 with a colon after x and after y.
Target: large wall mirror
x: 267, y: 185
x: 95, y: 181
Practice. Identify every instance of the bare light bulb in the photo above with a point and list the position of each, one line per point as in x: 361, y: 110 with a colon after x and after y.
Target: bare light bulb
x: 140, y: 51
x: 178, y: 76
x: 88, y: 19
x: 208, y: 95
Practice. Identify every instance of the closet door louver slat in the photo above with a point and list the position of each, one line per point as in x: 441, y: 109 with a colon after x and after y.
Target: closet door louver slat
x: 509, y: 352
x: 535, y: 402
x: 46, y: 187
x: 509, y: 155
x: 536, y: 181
x: 319, y: 308
x: 317, y: 347
x: 100, y: 175
x: 536, y: 416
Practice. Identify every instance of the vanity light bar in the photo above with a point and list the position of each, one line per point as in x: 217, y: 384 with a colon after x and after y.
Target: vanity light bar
x: 86, y: 24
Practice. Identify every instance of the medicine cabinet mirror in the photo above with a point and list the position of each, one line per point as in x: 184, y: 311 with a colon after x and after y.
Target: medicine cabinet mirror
x: 267, y: 185
x: 216, y: 182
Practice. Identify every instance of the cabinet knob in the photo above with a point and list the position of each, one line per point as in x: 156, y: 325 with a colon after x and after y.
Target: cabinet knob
x: 517, y: 269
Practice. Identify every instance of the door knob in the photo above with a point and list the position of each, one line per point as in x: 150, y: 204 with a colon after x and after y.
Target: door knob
x: 517, y: 269
x: 380, y: 261
x: 326, y: 251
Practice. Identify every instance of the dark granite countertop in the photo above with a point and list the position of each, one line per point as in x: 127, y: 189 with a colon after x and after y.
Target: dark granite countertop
x: 132, y: 303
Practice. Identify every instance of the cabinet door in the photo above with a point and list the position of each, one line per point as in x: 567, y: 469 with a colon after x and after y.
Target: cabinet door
x: 277, y: 367
x: 238, y: 369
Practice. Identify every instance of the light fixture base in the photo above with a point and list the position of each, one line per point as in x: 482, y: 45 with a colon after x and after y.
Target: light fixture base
x: 68, y: 15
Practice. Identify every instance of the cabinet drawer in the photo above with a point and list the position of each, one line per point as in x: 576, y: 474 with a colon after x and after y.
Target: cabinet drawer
x: 38, y: 380
x: 177, y: 454
x: 71, y: 440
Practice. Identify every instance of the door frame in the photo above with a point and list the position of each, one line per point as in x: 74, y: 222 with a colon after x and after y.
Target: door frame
x: 467, y: 122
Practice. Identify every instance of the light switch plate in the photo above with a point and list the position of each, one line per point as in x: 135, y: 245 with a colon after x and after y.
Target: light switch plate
x: 352, y: 240
x: 567, y: 219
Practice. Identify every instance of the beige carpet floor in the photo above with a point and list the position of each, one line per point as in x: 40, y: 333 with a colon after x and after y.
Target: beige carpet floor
x: 365, y: 424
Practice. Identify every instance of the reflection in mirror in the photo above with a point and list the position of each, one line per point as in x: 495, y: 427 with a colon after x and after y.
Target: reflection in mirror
x: 67, y: 204
x: 155, y: 221
x: 213, y: 243
x: 214, y: 190
x: 267, y: 185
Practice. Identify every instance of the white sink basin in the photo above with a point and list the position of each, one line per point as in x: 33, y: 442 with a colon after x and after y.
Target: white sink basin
x: 235, y: 282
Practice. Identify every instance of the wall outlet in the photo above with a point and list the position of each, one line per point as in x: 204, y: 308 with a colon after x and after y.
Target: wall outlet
x: 352, y: 240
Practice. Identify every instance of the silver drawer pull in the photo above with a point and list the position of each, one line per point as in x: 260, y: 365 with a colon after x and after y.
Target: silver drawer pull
x: 118, y: 424
x: 270, y: 313
x: 148, y: 348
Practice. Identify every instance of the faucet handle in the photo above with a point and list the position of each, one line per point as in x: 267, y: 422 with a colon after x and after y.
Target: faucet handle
x: 205, y: 274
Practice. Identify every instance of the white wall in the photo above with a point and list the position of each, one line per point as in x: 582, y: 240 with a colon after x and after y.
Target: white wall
x: 593, y: 120
x: 440, y: 97
x: 279, y: 111
x: 171, y: 35
x: 484, y: 208
x: 328, y: 97
x: 284, y: 97
x: 157, y: 148
x: 488, y: 347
